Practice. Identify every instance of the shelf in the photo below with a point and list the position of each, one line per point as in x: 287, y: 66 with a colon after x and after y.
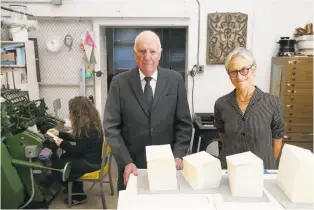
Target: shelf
x: 61, y: 85
x: 12, y: 66
x: 5, y: 69
x: 11, y: 42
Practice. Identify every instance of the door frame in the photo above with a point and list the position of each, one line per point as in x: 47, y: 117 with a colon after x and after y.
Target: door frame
x: 100, y: 25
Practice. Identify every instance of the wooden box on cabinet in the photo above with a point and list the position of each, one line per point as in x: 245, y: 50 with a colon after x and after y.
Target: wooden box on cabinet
x: 292, y: 82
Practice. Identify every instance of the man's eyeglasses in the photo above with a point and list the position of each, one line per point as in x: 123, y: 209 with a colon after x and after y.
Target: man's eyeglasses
x: 244, y: 71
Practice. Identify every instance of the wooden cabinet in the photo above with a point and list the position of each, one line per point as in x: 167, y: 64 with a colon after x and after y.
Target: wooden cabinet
x: 292, y: 81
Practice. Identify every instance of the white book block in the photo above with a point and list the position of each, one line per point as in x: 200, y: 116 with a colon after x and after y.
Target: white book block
x: 295, y: 174
x: 202, y: 171
x: 245, y: 174
x: 161, y: 168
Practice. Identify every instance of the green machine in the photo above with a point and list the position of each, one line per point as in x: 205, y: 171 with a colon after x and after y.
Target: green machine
x: 27, y: 154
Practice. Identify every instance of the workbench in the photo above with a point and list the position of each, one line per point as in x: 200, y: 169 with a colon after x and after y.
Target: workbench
x: 137, y: 196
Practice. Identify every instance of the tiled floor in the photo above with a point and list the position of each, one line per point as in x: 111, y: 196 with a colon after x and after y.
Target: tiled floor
x: 94, y: 201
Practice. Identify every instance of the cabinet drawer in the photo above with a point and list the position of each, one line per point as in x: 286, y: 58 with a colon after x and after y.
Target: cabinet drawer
x: 298, y: 128
x: 308, y: 121
x: 298, y: 137
x: 299, y: 76
x: 297, y: 106
x: 308, y: 99
x: 303, y: 113
x: 300, y: 61
x: 307, y: 67
x: 303, y: 144
x: 299, y: 85
x: 295, y: 91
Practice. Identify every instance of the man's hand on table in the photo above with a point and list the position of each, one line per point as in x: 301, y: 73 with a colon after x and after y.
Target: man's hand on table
x: 132, y: 169
x: 179, y: 163
x: 129, y: 169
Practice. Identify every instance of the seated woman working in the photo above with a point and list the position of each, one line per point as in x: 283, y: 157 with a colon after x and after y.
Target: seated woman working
x: 248, y: 119
x: 85, y: 155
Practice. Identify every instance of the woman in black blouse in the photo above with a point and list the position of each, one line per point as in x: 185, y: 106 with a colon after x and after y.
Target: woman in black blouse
x: 85, y: 155
x: 248, y: 119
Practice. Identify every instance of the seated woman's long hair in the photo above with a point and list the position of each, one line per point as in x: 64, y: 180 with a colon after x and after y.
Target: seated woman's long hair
x: 83, y: 114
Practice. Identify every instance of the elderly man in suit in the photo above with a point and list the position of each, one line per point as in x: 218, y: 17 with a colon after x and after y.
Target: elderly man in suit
x: 146, y: 106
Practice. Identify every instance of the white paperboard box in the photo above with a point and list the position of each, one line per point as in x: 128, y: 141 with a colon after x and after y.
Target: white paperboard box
x: 161, y: 168
x: 202, y: 171
x: 295, y: 174
x: 245, y: 174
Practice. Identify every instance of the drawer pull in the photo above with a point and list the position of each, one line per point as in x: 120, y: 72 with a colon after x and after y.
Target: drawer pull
x: 293, y: 62
x: 290, y: 129
x: 294, y: 68
x: 292, y: 91
x: 287, y: 137
x: 290, y: 121
x: 291, y: 99
x: 293, y: 73
x: 290, y: 114
x: 290, y: 85
x: 291, y: 106
x: 293, y: 79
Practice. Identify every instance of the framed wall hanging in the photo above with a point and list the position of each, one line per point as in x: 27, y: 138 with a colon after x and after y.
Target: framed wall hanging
x: 225, y: 31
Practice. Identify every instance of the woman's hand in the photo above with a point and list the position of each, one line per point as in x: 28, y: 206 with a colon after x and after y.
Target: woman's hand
x: 58, y: 141
x: 53, y: 131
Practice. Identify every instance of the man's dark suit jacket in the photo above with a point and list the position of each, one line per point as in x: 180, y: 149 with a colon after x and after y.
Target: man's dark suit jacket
x: 128, y: 125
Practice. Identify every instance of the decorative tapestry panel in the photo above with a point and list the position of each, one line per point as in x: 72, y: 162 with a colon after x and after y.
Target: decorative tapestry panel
x: 225, y: 31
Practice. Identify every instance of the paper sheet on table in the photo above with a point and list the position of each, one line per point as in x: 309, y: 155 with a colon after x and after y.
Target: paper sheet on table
x: 271, y: 186
x: 129, y: 201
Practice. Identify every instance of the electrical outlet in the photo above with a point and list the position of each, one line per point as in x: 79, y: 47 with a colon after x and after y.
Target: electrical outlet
x: 200, y: 69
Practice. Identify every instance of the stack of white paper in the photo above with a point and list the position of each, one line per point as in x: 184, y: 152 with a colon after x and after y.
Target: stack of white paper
x: 167, y: 201
x: 295, y: 174
x: 161, y: 168
x: 245, y: 173
x: 202, y: 171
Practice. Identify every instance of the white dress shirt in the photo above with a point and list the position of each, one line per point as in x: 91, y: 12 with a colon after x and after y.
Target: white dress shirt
x: 152, y: 82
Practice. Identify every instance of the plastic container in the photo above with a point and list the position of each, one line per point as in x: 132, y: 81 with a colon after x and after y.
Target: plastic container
x: 305, y: 44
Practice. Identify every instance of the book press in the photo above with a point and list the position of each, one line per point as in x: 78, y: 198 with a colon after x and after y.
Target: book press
x: 26, y: 154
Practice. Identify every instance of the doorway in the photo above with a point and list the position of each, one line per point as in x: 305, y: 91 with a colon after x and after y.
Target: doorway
x: 120, y: 43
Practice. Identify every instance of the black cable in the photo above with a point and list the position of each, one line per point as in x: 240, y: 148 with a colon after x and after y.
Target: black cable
x: 193, y: 74
x: 11, y: 10
x: 192, y: 97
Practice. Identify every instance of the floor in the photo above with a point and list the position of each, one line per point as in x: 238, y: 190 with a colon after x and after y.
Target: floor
x: 94, y: 201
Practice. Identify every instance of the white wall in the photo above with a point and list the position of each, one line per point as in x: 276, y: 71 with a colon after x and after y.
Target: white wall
x: 268, y: 20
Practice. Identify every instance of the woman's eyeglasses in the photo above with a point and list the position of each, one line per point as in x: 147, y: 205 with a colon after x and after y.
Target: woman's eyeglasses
x: 243, y: 71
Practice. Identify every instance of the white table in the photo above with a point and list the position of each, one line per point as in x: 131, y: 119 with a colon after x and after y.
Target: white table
x: 134, y: 198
